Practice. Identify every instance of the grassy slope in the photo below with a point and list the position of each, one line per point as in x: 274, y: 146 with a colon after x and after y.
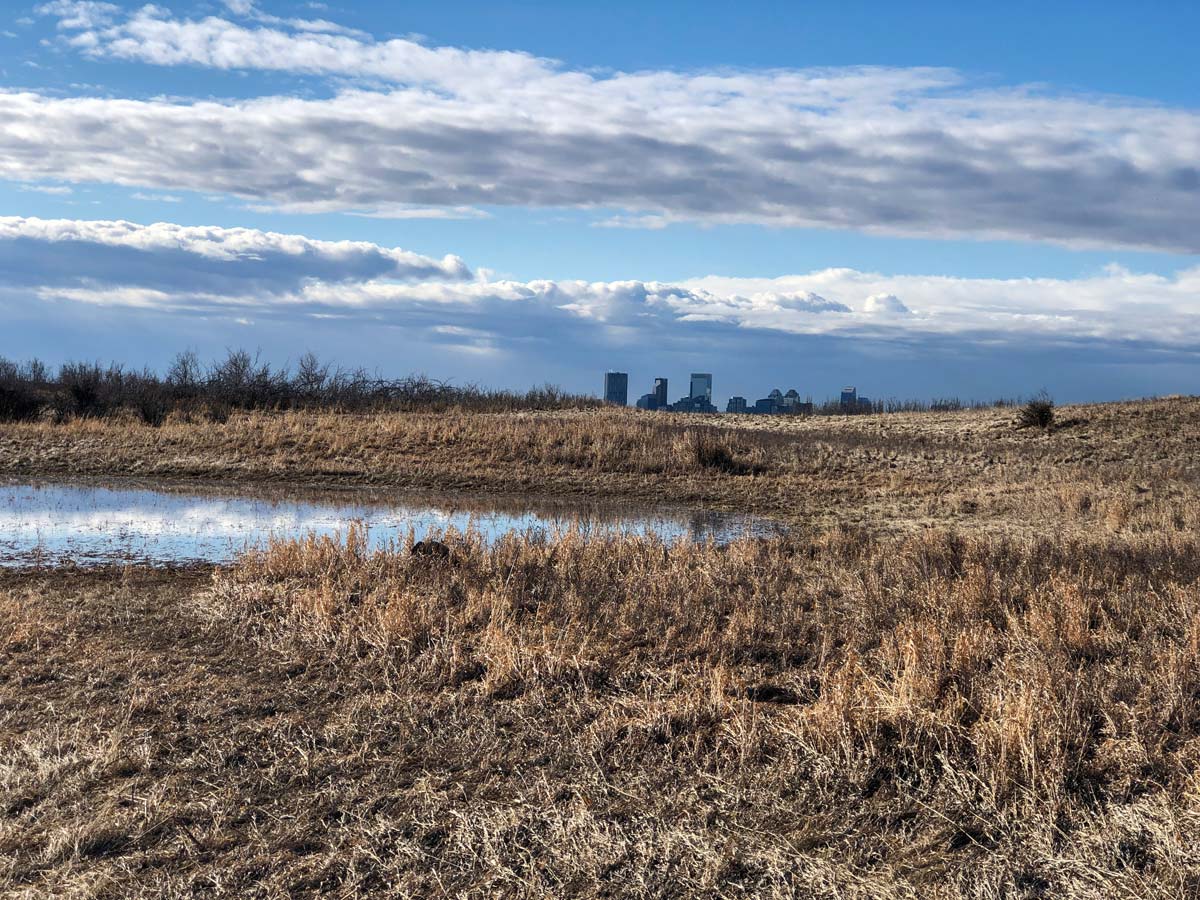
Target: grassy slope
x: 1108, y: 467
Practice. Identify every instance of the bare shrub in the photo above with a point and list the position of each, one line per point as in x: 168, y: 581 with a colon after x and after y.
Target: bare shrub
x: 1037, y: 413
x: 19, y: 390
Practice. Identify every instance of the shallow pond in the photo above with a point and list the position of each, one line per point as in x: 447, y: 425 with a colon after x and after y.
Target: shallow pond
x: 90, y: 524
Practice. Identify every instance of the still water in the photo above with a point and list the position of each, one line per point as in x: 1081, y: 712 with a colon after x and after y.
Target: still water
x: 90, y: 524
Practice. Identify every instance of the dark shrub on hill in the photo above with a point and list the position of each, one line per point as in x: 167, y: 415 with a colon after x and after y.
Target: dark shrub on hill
x: 1037, y: 413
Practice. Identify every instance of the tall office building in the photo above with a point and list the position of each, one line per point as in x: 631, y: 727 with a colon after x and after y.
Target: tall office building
x: 616, y: 388
x: 701, y: 386
x: 660, y: 393
x: 849, y: 397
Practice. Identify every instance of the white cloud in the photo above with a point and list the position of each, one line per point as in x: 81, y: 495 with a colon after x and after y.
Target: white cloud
x: 54, y: 190
x: 296, y: 45
x: 174, y: 259
x: 170, y: 268
x: 898, y: 151
x: 885, y: 305
x: 79, y: 15
x: 1112, y: 307
x: 156, y: 198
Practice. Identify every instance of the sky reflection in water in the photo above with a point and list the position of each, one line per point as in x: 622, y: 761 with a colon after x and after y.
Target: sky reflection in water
x: 89, y: 524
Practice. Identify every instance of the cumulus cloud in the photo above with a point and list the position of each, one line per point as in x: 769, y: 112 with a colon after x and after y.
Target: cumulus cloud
x: 899, y: 151
x: 885, y: 305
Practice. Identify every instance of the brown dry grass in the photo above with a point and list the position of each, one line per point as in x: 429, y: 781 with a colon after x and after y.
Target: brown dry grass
x: 1006, y: 704
x: 1117, y: 467
x: 834, y: 716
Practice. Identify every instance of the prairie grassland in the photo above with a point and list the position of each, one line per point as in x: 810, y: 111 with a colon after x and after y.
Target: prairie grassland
x: 838, y: 715
x: 972, y: 672
x: 1113, y: 468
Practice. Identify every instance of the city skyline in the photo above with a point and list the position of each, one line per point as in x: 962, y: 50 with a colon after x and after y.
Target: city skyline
x: 528, y: 194
x: 700, y: 397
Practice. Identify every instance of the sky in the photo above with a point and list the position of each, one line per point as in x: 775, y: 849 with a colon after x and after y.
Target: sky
x: 923, y: 200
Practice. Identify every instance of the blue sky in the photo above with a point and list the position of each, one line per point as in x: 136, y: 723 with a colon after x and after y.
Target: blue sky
x: 923, y: 201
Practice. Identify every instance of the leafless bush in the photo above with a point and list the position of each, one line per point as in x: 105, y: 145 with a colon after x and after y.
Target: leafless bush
x: 1037, y: 413
x: 20, y: 390
x: 241, y: 381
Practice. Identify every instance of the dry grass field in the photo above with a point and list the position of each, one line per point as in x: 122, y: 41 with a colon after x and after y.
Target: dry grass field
x: 972, y: 672
x: 1109, y: 467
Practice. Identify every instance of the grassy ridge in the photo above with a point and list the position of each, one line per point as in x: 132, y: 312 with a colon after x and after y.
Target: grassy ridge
x: 1110, y: 468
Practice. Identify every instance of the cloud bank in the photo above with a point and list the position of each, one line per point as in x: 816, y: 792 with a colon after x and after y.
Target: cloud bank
x: 238, y: 273
x: 163, y: 256
x: 413, y: 129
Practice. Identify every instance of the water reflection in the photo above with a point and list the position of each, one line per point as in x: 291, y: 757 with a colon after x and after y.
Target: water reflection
x: 46, y: 523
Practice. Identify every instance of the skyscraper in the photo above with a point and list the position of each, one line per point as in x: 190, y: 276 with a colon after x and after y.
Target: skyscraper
x: 701, y: 386
x: 660, y: 393
x: 616, y: 388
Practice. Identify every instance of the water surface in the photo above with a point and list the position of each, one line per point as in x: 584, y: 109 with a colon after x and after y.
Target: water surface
x: 49, y: 523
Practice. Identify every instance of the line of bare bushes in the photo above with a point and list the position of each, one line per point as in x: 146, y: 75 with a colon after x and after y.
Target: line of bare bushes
x: 241, y: 381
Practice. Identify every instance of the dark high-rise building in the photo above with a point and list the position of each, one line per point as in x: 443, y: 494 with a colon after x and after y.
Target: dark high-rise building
x: 701, y: 386
x: 850, y: 398
x: 736, y: 405
x: 616, y: 388
x: 660, y: 393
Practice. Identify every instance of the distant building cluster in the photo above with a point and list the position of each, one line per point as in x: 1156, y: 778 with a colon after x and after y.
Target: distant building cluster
x: 656, y: 399
x: 775, y: 403
x: 851, y: 402
x: 699, y: 398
